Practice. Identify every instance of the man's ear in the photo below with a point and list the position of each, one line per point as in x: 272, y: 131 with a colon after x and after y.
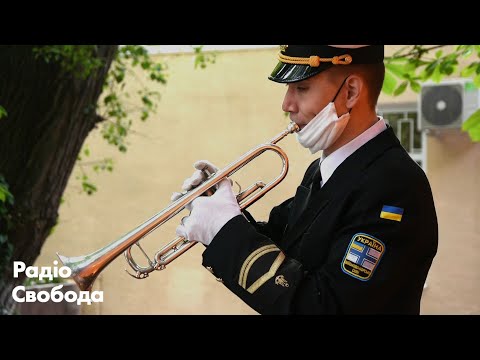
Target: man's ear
x: 355, y: 85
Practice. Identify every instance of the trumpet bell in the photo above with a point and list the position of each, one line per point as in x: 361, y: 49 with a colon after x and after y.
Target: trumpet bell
x: 84, y: 271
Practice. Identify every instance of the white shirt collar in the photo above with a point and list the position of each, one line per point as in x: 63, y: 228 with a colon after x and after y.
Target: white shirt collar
x: 330, y: 163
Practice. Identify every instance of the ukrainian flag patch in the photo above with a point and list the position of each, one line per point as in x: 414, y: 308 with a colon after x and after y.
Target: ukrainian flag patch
x: 391, y: 213
x: 362, y: 257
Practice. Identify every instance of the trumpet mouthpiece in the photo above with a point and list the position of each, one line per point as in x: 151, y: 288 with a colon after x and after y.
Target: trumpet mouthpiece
x: 293, y: 128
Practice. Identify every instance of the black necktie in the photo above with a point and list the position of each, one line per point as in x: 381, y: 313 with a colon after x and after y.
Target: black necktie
x: 317, y: 178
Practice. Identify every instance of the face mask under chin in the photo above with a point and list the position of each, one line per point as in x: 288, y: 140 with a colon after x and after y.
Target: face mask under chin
x: 323, y: 130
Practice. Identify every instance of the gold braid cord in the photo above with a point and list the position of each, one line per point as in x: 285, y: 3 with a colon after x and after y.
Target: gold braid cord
x: 314, y: 61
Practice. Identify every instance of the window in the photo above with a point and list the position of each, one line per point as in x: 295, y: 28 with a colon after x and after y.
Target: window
x: 403, y: 118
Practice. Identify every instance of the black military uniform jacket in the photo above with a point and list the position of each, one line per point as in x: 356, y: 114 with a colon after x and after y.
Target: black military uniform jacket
x: 362, y: 244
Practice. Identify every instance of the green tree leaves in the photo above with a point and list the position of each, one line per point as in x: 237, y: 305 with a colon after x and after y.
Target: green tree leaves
x: 3, y: 112
x: 472, y: 125
x: 79, y: 60
x: 202, y: 59
x: 6, y: 247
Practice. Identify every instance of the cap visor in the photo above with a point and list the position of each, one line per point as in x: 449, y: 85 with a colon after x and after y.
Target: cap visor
x: 288, y: 73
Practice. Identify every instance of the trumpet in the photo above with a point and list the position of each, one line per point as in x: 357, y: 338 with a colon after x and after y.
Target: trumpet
x: 85, y: 269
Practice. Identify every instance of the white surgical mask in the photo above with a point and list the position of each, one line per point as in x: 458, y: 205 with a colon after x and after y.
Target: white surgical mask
x: 324, y: 129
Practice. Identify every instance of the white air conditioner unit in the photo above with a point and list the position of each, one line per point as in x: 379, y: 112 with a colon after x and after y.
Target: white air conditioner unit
x: 446, y: 105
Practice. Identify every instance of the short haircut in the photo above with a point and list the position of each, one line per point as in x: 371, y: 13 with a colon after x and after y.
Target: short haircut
x: 372, y: 74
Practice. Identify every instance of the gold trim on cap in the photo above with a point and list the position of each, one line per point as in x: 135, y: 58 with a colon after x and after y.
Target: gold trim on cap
x: 315, y: 61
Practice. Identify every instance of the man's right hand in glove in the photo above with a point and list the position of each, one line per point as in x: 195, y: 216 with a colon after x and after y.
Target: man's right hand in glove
x: 204, y: 169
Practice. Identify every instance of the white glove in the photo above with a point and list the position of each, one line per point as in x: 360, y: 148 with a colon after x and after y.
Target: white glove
x: 198, y: 177
x: 209, y: 214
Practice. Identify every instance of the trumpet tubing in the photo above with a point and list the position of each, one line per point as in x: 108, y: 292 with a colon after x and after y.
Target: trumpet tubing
x: 85, y: 269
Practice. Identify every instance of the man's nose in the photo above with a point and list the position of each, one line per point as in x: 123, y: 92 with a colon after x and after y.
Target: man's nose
x: 288, y: 104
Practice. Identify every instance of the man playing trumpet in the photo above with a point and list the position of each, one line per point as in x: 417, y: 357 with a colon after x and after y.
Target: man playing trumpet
x: 361, y: 232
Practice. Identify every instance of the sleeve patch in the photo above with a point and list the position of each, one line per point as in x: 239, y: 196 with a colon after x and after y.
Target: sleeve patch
x: 362, y: 256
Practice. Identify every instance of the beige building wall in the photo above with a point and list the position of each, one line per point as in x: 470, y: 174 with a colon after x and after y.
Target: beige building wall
x: 454, y: 172
x: 219, y: 113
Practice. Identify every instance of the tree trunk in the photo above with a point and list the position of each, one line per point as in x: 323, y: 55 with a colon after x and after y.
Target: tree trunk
x: 50, y: 113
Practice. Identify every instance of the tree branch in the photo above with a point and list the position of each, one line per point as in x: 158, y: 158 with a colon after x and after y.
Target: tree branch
x: 98, y: 119
x: 416, y: 52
